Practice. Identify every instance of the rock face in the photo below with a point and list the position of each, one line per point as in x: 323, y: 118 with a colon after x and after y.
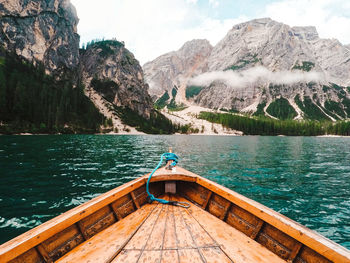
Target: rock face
x: 176, y: 68
x: 111, y: 70
x: 43, y: 31
x: 279, y: 47
x: 275, y: 47
x: 46, y: 31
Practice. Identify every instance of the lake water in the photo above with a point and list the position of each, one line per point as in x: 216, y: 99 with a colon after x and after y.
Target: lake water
x: 304, y: 178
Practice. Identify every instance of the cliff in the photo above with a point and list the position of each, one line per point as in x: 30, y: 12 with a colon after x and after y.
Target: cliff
x: 112, y: 71
x: 263, y: 65
x: 174, y: 69
x: 44, y: 31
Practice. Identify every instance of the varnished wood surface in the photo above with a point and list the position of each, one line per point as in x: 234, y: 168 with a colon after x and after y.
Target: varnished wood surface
x: 165, y: 233
x: 110, y: 228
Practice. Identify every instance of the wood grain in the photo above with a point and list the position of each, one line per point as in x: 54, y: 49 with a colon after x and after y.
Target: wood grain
x: 104, y: 246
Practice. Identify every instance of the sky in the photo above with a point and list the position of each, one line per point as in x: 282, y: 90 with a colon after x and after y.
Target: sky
x: 151, y: 28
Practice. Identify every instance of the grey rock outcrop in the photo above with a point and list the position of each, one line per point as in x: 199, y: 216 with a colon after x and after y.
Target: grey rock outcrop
x: 278, y: 48
x: 111, y: 70
x: 177, y: 67
x: 44, y: 31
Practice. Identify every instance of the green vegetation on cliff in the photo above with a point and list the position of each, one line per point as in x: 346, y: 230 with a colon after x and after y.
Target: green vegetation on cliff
x: 157, y: 124
x: 305, y: 66
x: 266, y: 126
x: 192, y: 91
x: 281, y: 109
x: 260, y: 109
x: 335, y: 108
x: 32, y: 101
x: 250, y: 59
x: 104, y: 45
x: 161, y: 102
x: 311, y: 110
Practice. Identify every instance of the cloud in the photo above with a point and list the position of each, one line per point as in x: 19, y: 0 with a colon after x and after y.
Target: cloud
x: 214, y: 3
x: 154, y: 27
x: 149, y: 28
x: 256, y: 75
x: 331, y: 17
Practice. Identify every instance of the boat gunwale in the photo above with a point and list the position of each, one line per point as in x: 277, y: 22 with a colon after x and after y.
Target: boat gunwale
x: 304, y: 235
x: 33, y: 237
x: 322, y: 245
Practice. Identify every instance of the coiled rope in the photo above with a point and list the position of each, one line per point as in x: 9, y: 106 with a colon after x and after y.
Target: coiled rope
x: 168, y: 157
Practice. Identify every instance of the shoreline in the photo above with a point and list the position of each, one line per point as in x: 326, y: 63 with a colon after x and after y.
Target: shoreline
x: 189, y: 134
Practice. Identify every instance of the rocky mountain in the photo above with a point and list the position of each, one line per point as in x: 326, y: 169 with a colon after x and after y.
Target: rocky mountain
x: 112, y: 71
x: 268, y: 68
x: 44, y: 31
x: 174, y: 69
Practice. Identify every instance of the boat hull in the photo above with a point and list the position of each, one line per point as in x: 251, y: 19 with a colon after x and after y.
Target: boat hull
x: 275, y: 233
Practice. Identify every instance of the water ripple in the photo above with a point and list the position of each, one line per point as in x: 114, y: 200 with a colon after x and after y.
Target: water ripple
x: 305, y: 179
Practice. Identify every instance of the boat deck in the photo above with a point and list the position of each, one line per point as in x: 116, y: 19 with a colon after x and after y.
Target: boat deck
x: 166, y: 233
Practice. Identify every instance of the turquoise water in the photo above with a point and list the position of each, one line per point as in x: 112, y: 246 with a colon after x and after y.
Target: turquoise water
x: 304, y: 178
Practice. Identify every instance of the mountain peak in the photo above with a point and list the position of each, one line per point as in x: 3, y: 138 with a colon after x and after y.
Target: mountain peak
x: 308, y: 33
x: 195, y: 42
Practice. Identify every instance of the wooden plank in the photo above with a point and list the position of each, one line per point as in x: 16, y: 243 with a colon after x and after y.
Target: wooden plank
x: 170, y: 256
x: 236, y: 245
x: 310, y: 256
x: 226, y: 208
x: 66, y: 247
x: 127, y: 256
x: 90, y: 220
x: 156, y: 239
x: 139, y: 240
x: 273, y: 245
x: 31, y: 256
x: 242, y: 225
x: 322, y: 245
x: 218, y: 206
x: 151, y: 256
x: 101, y: 224
x: 183, y: 235
x: 200, y: 236
x: 173, y: 177
x: 294, y: 252
x: 205, y: 204
x: 123, y: 206
x: 42, y: 251
x: 104, y: 246
x: 191, y: 192
x: 141, y: 195
x: 35, y: 236
x: 117, y: 214
x: 62, y: 242
x: 189, y: 256
x: 279, y: 236
x: 257, y: 230
x: 245, y: 215
x: 81, y: 229
x: 135, y: 200
x: 170, y: 239
x: 215, y: 255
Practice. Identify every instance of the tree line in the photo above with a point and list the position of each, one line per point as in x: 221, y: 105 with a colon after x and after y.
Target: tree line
x: 267, y: 126
x: 33, y: 101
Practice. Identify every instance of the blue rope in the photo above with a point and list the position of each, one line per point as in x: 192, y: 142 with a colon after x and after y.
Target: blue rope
x: 168, y: 157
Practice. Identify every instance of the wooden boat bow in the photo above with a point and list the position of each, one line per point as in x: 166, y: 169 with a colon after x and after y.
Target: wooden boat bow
x: 220, y: 226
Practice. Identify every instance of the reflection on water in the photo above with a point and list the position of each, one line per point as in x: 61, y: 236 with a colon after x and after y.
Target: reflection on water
x: 304, y: 178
